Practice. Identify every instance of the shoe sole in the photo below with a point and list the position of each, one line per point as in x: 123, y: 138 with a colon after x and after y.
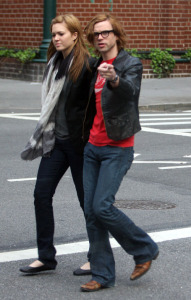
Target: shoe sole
x: 87, y: 290
x: 36, y: 272
x: 82, y: 274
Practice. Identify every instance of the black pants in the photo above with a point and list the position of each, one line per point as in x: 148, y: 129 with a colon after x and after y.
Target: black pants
x: 50, y: 172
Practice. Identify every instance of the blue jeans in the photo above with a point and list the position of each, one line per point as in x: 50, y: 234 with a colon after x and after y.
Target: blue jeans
x: 104, y: 169
x: 50, y: 172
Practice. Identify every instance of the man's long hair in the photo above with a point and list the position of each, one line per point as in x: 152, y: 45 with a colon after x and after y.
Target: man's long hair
x: 118, y: 30
x: 80, y: 51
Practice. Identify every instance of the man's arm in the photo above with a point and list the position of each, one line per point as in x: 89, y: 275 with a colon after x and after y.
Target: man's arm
x: 130, y: 79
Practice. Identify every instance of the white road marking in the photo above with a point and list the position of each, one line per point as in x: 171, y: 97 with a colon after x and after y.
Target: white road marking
x: 154, y: 130
x: 166, y: 114
x: 19, y: 117
x: 164, y: 119
x: 79, y: 247
x: 21, y: 179
x: 24, y: 114
x: 167, y: 119
x: 30, y: 179
x: 166, y: 123
x: 174, y: 167
x: 179, y: 130
x: 158, y: 162
x: 135, y: 162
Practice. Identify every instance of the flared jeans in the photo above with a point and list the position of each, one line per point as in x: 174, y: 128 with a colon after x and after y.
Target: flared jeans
x: 104, y: 169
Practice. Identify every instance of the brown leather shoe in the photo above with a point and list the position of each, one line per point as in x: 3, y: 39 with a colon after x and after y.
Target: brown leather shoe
x: 91, y: 286
x: 142, y: 269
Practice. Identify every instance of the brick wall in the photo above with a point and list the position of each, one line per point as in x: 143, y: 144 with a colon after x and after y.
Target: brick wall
x: 21, y: 23
x: 13, y: 69
x: 148, y: 23
x: 175, y: 24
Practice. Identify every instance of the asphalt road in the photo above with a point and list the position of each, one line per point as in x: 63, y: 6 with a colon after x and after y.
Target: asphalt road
x: 155, y: 194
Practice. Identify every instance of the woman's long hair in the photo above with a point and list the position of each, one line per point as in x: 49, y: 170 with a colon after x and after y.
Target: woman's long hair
x: 81, y: 53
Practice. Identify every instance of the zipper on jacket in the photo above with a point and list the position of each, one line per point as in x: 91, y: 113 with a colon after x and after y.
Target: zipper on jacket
x: 83, y: 127
x: 90, y: 95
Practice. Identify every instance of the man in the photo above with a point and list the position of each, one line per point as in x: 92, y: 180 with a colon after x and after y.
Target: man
x: 109, y: 155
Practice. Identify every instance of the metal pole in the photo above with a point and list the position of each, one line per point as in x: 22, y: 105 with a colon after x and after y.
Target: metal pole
x: 49, y: 14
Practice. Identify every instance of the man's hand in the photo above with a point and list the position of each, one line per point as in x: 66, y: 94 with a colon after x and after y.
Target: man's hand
x: 107, y: 71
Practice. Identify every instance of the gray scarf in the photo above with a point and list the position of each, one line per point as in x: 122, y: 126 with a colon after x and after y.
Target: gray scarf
x: 42, y: 141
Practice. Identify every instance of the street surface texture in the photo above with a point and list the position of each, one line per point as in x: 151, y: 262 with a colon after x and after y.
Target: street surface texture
x: 155, y: 194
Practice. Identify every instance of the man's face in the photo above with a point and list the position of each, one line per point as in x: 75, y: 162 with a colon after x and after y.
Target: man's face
x: 106, y: 45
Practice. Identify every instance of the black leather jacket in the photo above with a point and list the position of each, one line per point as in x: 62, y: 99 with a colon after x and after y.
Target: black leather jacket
x: 120, y: 104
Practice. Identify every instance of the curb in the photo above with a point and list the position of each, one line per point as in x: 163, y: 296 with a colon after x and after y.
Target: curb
x: 165, y: 107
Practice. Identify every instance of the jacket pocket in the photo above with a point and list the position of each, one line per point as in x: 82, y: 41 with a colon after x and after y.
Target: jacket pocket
x: 118, y: 129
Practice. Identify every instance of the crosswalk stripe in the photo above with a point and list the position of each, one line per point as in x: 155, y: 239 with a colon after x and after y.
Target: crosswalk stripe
x: 165, y: 114
x: 154, y: 130
x: 165, y: 123
x: 79, y: 247
x: 164, y: 119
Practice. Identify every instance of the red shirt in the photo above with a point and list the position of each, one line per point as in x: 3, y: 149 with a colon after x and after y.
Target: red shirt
x: 98, y: 134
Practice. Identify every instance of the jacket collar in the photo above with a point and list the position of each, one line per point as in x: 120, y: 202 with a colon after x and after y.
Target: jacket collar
x: 116, y: 62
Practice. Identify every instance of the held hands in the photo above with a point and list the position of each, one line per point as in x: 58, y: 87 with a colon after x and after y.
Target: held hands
x: 107, y: 71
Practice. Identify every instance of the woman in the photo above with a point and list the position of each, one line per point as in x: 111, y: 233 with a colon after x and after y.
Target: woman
x: 60, y: 135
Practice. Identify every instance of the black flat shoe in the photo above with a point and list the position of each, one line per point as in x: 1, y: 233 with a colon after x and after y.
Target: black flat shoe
x: 33, y: 270
x: 81, y: 272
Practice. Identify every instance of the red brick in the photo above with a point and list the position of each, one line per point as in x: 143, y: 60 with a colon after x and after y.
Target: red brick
x: 147, y: 23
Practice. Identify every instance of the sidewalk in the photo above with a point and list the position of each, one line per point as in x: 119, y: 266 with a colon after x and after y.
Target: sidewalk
x: 165, y: 94
x: 156, y: 94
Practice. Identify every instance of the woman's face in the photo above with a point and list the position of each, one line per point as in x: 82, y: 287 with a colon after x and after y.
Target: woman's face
x: 62, y: 38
